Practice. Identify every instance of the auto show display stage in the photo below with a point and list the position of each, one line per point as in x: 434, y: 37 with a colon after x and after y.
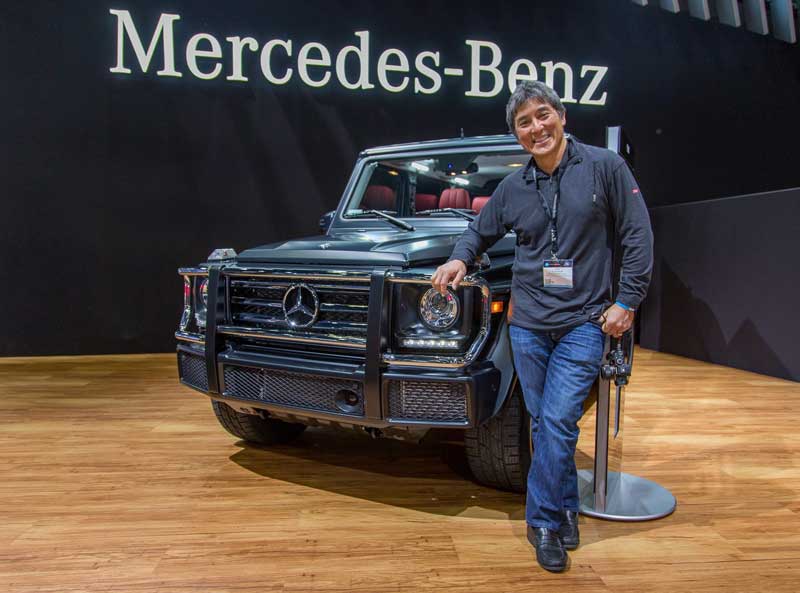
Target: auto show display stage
x: 113, y: 477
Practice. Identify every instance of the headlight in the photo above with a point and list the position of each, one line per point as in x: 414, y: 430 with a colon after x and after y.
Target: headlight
x: 424, y: 321
x: 195, y: 300
x: 187, y: 303
x: 201, y: 302
x: 438, y: 311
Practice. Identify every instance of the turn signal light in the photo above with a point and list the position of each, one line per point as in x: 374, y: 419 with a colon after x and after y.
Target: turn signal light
x: 497, y: 306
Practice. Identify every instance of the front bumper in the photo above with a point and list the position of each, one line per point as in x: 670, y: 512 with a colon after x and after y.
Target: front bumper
x: 318, y: 389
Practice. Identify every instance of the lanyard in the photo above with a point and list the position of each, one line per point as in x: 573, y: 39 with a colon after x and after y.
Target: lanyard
x: 552, y: 215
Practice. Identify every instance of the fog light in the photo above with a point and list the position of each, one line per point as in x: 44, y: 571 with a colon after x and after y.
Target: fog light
x: 348, y: 401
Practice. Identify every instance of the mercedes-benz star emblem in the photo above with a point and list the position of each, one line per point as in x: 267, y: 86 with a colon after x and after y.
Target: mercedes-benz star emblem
x: 300, y: 305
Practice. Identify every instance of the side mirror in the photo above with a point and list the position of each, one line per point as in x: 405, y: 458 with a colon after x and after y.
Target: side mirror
x: 325, y: 221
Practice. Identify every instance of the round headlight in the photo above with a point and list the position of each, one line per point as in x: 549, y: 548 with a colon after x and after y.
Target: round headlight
x: 201, y: 303
x: 204, y: 292
x: 438, y: 311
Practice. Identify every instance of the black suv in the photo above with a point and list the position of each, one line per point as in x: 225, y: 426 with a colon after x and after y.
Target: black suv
x: 344, y: 328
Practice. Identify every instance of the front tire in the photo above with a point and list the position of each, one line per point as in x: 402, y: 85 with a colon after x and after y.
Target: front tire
x: 499, y: 450
x: 255, y: 429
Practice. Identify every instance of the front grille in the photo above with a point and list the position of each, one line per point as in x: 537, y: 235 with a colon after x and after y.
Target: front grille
x: 432, y: 401
x: 296, y: 390
x: 257, y: 303
x: 192, y: 369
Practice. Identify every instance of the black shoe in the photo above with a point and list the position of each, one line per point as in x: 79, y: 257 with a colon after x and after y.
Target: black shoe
x: 550, y: 553
x: 568, y: 532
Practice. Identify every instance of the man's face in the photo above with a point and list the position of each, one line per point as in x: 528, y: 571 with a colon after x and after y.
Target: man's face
x: 539, y: 128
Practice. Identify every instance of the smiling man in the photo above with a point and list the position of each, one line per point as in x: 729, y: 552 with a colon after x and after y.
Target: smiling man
x: 568, y: 207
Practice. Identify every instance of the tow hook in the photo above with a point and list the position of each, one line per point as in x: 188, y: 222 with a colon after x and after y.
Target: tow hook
x: 375, y: 433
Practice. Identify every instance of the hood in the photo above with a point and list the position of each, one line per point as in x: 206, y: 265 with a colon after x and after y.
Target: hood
x: 374, y: 248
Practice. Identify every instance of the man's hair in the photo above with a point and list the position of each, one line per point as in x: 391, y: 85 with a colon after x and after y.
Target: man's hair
x: 531, y: 90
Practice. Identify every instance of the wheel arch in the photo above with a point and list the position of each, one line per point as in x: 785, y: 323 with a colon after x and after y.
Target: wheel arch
x: 502, y: 358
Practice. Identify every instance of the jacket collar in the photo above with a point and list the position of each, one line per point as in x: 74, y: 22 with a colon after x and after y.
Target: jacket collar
x: 575, y: 154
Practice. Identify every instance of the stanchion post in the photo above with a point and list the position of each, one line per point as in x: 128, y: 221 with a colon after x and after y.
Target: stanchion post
x: 606, y: 492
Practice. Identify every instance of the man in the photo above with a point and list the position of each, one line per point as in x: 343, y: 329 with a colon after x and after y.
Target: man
x: 567, y: 207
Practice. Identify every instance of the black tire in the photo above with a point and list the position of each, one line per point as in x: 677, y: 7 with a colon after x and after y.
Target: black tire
x: 499, y: 450
x: 255, y: 429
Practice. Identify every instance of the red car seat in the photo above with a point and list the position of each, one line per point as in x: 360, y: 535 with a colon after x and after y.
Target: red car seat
x: 426, y: 202
x: 479, y: 202
x: 454, y: 197
x: 378, y: 197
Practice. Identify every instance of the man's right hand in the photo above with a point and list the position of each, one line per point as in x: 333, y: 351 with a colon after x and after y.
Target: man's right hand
x: 453, y: 271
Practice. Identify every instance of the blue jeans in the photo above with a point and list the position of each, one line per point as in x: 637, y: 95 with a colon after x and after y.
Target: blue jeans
x: 556, y: 373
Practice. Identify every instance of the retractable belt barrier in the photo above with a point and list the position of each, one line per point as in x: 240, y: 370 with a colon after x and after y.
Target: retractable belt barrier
x: 606, y: 492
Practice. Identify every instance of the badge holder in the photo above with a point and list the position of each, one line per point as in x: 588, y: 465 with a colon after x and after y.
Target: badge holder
x: 605, y: 491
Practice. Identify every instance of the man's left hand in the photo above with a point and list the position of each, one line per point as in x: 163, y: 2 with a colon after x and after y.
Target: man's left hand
x: 616, y: 321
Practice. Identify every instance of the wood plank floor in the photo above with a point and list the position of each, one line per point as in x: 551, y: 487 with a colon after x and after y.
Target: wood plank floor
x: 115, y: 478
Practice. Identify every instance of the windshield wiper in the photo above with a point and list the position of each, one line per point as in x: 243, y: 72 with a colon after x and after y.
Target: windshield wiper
x: 456, y: 211
x: 395, y: 221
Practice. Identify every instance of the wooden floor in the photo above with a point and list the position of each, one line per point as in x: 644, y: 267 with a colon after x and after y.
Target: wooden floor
x: 115, y: 478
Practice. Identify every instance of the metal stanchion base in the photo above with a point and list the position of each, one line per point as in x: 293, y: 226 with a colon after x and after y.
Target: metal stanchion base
x: 629, y: 498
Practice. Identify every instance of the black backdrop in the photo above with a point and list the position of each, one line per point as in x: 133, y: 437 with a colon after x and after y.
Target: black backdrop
x: 111, y: 181
x: 725, y: 281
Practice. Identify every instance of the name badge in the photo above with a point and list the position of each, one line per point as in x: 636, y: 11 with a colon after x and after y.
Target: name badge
x: 557, y: 273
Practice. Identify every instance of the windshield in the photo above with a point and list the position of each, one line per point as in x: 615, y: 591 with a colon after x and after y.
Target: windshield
x: 432, y: 185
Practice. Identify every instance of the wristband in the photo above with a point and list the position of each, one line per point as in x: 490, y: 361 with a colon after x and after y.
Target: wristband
x: 624, y: 306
